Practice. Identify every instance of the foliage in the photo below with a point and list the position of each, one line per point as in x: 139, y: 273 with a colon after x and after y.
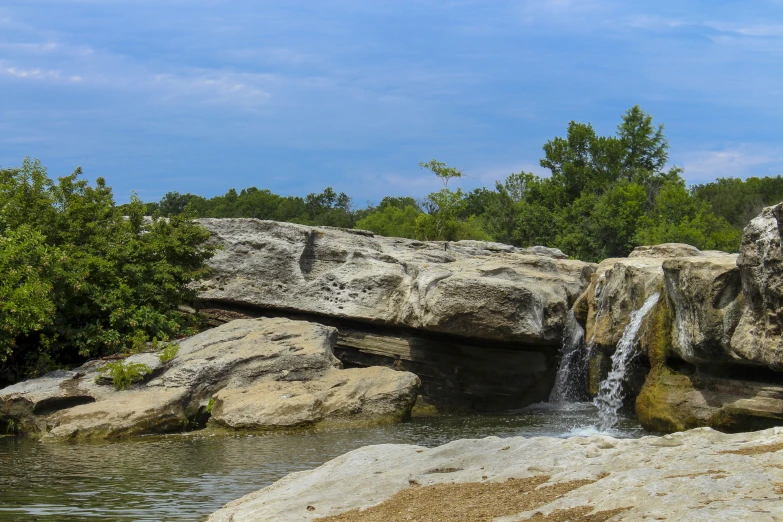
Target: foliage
x: 167, y: 352
x: 80, y: 279
x: 739, y: 201
x: 326, y: 208
x: 392, y: 218
x: 440, y: 169
x: 124, y: 375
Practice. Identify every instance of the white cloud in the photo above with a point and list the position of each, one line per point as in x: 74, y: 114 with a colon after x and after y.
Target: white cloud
x: 646, y: 21
x: 761, y: 30
x: 740, y: 162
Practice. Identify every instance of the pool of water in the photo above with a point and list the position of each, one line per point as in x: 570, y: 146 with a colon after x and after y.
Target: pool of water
x: 187, y: 477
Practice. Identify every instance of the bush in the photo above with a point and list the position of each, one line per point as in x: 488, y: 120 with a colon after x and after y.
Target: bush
x: 124, y: 375
x: 84, y: 277
x: 168, y: 352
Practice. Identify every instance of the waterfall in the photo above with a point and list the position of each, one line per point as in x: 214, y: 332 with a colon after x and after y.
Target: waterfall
x: 569, y: 381
x: 610, y: 392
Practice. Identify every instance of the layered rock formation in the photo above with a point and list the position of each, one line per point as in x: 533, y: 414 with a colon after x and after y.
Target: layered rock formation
x: 693, y: 476
x: 714, y: 340
x: 246, y: 374
x: 479, y: 322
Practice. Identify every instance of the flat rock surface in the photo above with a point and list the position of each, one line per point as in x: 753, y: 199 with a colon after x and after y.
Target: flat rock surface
x: 255, y: 373
x: 467, y: 288
x: 695, y: 476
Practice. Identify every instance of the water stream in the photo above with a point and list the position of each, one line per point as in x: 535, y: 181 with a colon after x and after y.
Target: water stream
x: 610, y: 396
x: 187, y: 477
x: 570, y: 379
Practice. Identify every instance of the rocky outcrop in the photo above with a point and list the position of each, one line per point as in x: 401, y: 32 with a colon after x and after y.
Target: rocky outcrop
x: 679, y: 272
x: 470, y: 289
x: 713, y: 344
x: 479, y: 322
x: 693, y: 476
x: 246, y: 374
x: 620, y: 286
x: 757, y: 337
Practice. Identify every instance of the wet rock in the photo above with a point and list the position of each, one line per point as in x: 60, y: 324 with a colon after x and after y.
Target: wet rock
x: 620, y: 286
x: 705, y: 294
x: 695, y: 475
x: 218, y: 366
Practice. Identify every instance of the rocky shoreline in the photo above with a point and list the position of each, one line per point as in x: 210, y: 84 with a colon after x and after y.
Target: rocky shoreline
x: 319, y: 327
x: 469, y: 325
x: 247, y: 374
x: 693, y: 476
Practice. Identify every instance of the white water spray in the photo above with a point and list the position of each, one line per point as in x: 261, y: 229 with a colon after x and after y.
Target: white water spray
x: 610, y: 392
x: 570, y: 375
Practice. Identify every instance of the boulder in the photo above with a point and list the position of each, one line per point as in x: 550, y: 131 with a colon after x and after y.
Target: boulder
x: 705, y: 295
x: 692, y: 476
x: 713, y: 342
x: 676, y: 271
x: 219, y: 369
x: 338, y: 396
x: 757, y: 337
x: 470, y: 289
x: 620, y: 286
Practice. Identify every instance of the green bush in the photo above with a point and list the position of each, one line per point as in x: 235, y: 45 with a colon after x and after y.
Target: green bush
x: 83, y: 276
x: 124, y: 375
x: 167, y: 352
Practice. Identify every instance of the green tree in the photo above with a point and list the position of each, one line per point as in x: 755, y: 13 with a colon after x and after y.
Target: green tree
x: 392, y: 221
x: 443, y: 171
x: 82, y: 278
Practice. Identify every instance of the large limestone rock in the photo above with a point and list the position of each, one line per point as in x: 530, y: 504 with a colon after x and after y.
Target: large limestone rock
x: 470, y: 289
x: 715, y: 356
x: 702, y: 285
x: 338, y: 396
x: 620, y: 286
x: 704, y: 293
x: 757, y: 337
x: 713, y: 342
x: 251, y: 373
x: 690, y: 477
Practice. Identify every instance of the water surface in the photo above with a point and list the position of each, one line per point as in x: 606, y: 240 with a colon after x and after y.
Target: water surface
x: 178, y: 478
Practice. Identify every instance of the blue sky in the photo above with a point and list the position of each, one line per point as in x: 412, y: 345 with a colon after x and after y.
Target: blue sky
x: 204, y: 95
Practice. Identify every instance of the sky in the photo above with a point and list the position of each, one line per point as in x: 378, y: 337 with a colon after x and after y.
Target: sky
x: 204, y: 95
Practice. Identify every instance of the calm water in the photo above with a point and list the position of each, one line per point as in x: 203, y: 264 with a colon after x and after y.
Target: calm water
x: 188, y: 477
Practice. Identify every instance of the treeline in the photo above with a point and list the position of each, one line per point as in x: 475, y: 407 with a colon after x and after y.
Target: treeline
x: 605, y: 195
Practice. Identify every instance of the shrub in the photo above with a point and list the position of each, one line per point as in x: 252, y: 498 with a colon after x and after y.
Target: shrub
x: 124, y: 375
x: 90, y: 278
x: 168, y: 352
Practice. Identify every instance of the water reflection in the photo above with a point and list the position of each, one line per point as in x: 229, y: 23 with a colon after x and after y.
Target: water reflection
x: 179, y: 478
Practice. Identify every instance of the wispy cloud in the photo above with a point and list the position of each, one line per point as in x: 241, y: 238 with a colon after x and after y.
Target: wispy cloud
x: 739, y: 162
x: 39, y: 74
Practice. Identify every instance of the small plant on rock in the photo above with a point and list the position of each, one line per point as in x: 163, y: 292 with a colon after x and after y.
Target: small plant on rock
x: 168, y: 352
x: 124, y: 375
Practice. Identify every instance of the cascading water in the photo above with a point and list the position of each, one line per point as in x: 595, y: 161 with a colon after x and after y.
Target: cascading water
x: 575, y: 354
x: 610, y: 393
x: 569, y: 382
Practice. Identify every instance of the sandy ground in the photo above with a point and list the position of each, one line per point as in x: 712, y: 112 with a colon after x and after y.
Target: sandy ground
x: 475, y: 502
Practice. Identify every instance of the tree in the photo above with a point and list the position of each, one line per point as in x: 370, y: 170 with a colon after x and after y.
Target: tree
x: 392, y: 221
x: 440, y: 169
x: 81, y: 278
x: 644, y: 145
